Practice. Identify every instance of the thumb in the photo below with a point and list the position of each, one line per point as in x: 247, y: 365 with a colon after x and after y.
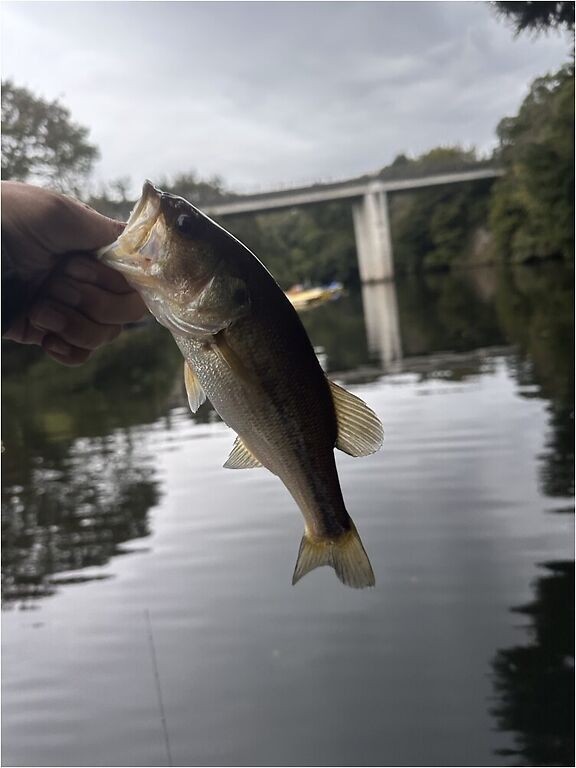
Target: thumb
x: 40, y: 224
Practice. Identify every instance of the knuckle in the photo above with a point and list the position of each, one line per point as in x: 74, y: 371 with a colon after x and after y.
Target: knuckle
x: 84, y: 333
x: 66, y: 292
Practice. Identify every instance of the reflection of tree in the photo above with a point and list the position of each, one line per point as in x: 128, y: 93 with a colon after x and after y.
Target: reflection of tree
x: 536, y: 309
x: 128, y: 382
x: 535, y: 682
x: 339, y: 329
x: 532, y: 308
x: 73, y: 511
x: 76, y: 482
x: 557, y: 460
x: 445, y: 312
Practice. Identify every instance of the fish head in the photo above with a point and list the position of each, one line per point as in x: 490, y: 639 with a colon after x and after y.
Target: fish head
x: 180, y: 262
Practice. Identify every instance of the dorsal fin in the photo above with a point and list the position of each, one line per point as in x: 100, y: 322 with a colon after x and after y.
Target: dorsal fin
x: 196, y: 394
x: 360, y: 431
x: 240, y: 457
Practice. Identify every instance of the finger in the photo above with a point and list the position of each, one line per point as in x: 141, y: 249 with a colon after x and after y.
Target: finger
x: 97, y: 304
x: 71, y: 325
x: 90, y: 270
x: 64, y: 353
x: 24, y: 332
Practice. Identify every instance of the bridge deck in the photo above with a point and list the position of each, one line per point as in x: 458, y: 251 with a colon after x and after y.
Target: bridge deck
x: 349, y: 189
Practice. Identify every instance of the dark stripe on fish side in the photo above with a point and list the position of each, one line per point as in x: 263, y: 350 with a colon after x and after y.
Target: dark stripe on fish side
x: 329, y: 511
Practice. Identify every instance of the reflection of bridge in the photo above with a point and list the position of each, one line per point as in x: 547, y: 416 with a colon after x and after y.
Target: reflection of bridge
x: 382, y: 322
x: 369, y: 197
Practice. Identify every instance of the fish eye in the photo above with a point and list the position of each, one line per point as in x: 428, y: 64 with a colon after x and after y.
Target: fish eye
x: 189, y: 226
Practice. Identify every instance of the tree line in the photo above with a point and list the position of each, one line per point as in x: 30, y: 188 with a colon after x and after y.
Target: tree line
x: 528, y: 214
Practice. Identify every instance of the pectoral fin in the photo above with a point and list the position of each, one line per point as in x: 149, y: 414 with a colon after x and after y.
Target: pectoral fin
x: 240, y: 457
x: 360, y: 431
x: 225, y: 352
x: 196, y: 394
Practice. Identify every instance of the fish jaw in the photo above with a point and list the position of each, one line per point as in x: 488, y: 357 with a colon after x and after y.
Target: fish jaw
x: 136, y: 251
x: 184, y: 284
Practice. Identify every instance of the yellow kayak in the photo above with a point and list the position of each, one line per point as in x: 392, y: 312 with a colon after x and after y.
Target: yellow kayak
x: 303, y: 298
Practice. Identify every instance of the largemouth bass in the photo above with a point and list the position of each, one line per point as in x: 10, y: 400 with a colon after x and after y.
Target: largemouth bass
x: 246, y: 349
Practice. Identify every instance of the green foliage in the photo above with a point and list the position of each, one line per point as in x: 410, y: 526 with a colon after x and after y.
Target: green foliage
x: 439, y: 157
x: 432, y: 228
x: 124, y: 383
x: 41, y: 144
x: 113, y: 200
x: 314, y: 244
x: 198, y: 191
x: 532, y: 208
x: 537, y: 16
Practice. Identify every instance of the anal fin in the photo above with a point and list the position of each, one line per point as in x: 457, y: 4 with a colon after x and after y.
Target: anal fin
x: 240, y: 457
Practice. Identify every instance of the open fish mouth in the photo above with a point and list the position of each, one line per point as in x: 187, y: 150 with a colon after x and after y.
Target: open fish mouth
x: 147, y: 207
x: 124, y: 253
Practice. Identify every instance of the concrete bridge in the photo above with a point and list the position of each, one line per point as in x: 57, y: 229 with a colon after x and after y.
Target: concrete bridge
x: 369, y: 198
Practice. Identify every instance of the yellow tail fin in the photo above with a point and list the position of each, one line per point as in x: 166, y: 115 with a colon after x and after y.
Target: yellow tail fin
x: 345, y: 554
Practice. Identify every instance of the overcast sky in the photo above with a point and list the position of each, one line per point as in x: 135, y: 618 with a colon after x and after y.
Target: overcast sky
x: 270, y: 92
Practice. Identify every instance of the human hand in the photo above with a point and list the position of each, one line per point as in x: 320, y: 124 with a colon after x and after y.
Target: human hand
x: 71, y: 304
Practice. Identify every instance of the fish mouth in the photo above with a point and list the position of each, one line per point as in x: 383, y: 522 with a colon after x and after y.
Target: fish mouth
x: 125, y: 253
x: 147, y: 207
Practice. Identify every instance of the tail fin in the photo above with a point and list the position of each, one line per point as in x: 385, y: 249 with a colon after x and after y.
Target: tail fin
x: 345, y: 554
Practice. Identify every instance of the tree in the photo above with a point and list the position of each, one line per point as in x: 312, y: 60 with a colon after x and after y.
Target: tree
x: 41, y: 143
x: 432, y: 228
x: 197, y: 191
x: 537, y: 16
x: 532, y: 208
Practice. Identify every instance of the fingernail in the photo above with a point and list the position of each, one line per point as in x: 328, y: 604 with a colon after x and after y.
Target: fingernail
x: 58, y: 346
x: 66, y: 293
x: 48, y: 319
x: 82, y: 271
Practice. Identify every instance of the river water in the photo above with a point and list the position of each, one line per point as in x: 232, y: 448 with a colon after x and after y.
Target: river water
x: 149, y: 616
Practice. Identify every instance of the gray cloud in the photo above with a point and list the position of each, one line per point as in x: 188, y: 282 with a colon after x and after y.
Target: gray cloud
x: 262, y: 93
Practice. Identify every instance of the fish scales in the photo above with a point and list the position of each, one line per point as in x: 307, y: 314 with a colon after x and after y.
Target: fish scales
x: 247, y: 351
x: 291, y: 430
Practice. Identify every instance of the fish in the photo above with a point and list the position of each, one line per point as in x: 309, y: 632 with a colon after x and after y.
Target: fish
x: 246, y: 350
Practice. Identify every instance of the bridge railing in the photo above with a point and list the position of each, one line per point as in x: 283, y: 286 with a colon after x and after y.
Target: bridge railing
x: 400, y: 173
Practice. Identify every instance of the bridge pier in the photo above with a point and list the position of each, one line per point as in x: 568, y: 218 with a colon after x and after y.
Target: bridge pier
x: 373, y: 240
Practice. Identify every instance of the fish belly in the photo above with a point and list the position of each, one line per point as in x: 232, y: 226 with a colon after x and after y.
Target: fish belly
x: 284, y: 428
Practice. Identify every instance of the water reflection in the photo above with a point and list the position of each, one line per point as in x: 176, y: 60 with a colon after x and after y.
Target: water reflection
x: 534, y: 682
x: 339, y: 329
x: 536, y: 309
x: 79, y: 469
x: 74, y: 512
x: 76, y: 481
x: 55, y: 486
x: 382, y: 322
